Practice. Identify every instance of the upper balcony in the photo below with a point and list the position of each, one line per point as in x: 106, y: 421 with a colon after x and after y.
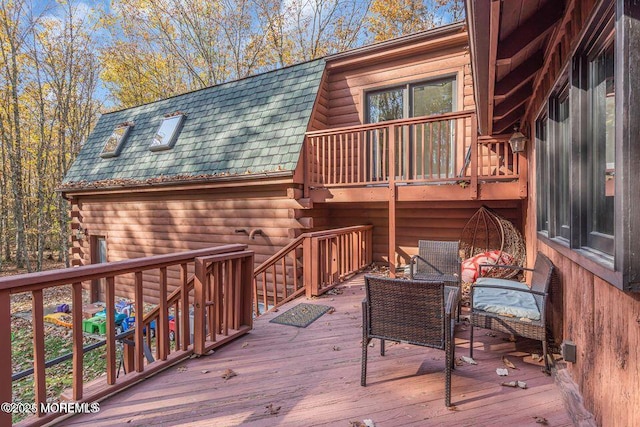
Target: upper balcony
x: 424, y: 158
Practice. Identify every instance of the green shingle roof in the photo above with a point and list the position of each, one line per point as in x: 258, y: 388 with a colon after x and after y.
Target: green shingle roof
x: 252, y: 125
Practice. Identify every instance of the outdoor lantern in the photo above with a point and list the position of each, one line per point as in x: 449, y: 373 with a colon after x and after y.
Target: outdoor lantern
x: 80, y: 234
x: 517, y: 141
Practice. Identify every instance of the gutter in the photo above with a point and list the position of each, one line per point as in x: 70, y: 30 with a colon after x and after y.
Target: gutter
x: 225, y: 181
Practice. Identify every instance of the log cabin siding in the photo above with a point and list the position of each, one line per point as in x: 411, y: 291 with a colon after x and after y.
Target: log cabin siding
x: 602, y: 320
x: 140, y: 225
x: 415, y: 221
x: 346, y: 87
x: 604, y: 323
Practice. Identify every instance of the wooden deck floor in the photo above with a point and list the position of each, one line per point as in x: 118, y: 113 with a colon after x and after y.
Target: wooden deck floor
x: 313, y: 376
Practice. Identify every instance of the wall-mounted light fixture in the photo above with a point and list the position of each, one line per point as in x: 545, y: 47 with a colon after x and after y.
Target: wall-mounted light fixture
x: 517, y: 141
x: 80, y: 234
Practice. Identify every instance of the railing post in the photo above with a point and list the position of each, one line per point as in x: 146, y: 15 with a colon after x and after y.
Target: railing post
x: 198, y: 311
x: 78, y: 340
x: 110, y: 298
x: 392, y: 201
x: 306, y: 158
x: 5, y: 356
x: 139, y: 308
x: 39, y: 380
x: 334, y: 253
x: 162, y: 328
x: 246, y: 291
x: 474, y: 157
x: 311, y: 267
x: 185, y: 333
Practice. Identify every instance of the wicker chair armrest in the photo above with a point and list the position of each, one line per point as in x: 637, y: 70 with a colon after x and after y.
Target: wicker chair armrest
x: 508, y: 288
x: 510, y: 267
x: 452, y: 302
x: 415, y: 258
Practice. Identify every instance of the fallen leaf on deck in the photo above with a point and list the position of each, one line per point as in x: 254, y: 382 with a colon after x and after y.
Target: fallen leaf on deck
x: 371, y: 345
x: 209, y: 353
x: 452, y: 408
x: 182, y: 369
x: 336, y: 348
x: 536, y: 357
x: 245, y: 345
x: 518, y: 384
x: 541, y: 420
x: 459, y: 361
x: 508, y: 363
x: 331, y: 310
x: 356, y: 424
x: 272, y: 410
x: 205, y: 371
x: 490, y: 334
x: 369, y: 423
x: 469, y: 360
x: 502, y: 372
x: 228, y: 373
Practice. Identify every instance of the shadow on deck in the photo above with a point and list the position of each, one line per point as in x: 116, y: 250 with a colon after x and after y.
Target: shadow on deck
x: 313, y: 376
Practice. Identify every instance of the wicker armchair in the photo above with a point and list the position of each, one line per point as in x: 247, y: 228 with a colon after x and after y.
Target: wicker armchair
x: 410, y: 311
x: 493, y: 304
x: 437, y: 261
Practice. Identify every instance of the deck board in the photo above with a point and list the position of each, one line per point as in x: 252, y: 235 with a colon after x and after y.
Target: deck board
x: 313, y: 375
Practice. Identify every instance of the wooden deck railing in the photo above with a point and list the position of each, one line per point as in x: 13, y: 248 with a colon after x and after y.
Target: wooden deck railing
x: 312, y: 264
x: 220, y: 291
x: 419, y: 150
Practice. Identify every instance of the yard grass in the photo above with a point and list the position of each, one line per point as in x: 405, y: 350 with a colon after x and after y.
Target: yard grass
x: 59, y: 377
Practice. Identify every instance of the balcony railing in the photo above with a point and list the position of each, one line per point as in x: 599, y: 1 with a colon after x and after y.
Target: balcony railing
x: 311, y: 264
x: 433, y: 149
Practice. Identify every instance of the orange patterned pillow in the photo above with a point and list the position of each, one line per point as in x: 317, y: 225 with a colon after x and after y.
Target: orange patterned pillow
x: 471, y: 266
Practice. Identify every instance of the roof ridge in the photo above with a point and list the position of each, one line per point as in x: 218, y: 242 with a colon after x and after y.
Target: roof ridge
x: 299, y: 64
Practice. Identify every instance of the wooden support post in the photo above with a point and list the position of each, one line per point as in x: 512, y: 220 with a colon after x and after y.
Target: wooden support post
x: 162, y: 335
x: 392, y: 201
x: 307, y: 266
x: 39, y: 378
x: 78, y: 341
x: 110, y: 300
x: 237, y: 291
x: 474, y: 157
x: 128, y: 358
x: 5, y: 356
x: 185, y: 334
x: 198, y: 310
x: 246, y: 293
x: 314, y: 266
x: 138, y: 337
x: 522, y: 175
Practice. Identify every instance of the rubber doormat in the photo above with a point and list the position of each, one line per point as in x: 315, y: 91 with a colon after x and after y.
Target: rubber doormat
x: 302, y: 315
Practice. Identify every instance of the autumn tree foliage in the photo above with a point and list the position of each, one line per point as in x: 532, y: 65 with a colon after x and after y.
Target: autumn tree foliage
x: 62, y: 61
x: 48, y: 78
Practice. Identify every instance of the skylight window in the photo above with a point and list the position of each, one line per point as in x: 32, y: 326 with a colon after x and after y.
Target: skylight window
x: 167, y: 134
x: 114, y: 143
